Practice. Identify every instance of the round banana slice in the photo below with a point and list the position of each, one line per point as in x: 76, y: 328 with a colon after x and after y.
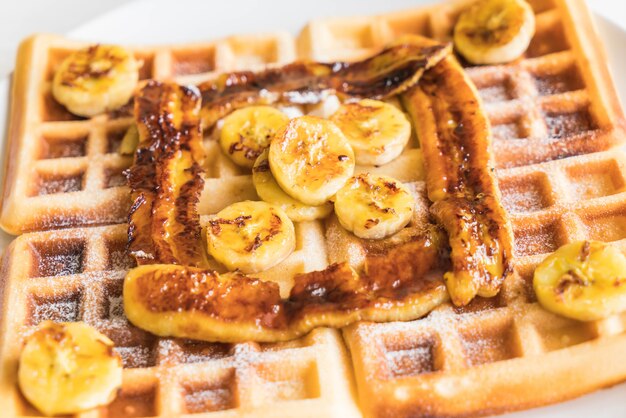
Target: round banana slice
x: 248, y: 131
x: 270, y: 192
x: 250, y: 236
x: 583, y: 280
x: 311, y: 159
x: 95, y: 80
x: 374, y: 207
x: 494, y: 31
x: 377, y: 131
x: 66, y: 368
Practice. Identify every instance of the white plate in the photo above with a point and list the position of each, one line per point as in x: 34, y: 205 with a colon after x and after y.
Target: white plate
x: 158, y: 22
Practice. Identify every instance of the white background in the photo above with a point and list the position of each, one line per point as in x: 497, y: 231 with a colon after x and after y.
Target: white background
x: 19, y: 18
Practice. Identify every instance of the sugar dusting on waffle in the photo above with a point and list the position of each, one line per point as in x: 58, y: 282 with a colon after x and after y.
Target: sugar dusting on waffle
x: 550, y: 203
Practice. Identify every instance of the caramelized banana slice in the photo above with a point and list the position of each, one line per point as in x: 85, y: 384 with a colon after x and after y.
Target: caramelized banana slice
x: 248, y: 131
x: 164, y: 225
x: 250, y: 236
x: 192, y: 302
x: 66, y: 368
x: 311, y: 159
x: 95, y: 80
x: 390, y: 72
x: 377, y: 131
x: 270, y: 192
x: 494, y: 31
x: 374, y: 207
x: 584, y: 280
x: 187, y: 302
x: 129, y: 143
x: 455, y: 137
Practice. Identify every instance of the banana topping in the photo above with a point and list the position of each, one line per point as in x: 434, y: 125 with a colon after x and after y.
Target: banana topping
x: 95, y: 80
x: 165, y: 178
x: 188, y: 302
x: 392, y: 71
x: 374, y: 207
x: 250, y: 236
x: 169, y: 294
x: 584, y: 280
x: 455, y: 138
x: 377, y: 131
x: 494, y: 31
x: 66, y: 368
x: 130, y: 141
x: 311, y: 159
x: 248, y: 131
x: 270, y: 192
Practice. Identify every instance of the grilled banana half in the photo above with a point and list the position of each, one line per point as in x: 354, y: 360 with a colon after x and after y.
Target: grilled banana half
x: 392, y: 71
x: 311, y: 159
x: 584, y: 280
x: 165, y: 180
x: 494, y: 31
x: 250, y: 236
x: 188, y: 302
x: 377, y: 131
x: 248, y: 131
x: 270, y: 192
x: 374, y: 207
x: 95, y: 80
x: 66, y: 368
x: 455, y: 137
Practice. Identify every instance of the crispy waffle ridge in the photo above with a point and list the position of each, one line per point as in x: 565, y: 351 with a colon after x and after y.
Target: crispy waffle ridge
x: 77, y: 274
x: 64, y: 170
x: 507, y: 352
x: 494, y: 355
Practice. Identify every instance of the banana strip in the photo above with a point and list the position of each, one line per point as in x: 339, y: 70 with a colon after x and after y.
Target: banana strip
x: 188, y: 302
x: 164, y: 225
x: 391, y: 71
x: 455, y: 137
x: 172, y: 293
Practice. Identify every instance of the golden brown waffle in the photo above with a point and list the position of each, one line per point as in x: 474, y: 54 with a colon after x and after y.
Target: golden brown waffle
x: 77, y: 275
x: 494, y: 355
x: 64, y: 170
x: 508, y: 353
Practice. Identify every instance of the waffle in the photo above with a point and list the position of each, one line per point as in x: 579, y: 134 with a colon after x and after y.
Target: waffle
x: 162, y: 377
x: 494, y: 355
x: 64, y: 170
x: 507, y: 352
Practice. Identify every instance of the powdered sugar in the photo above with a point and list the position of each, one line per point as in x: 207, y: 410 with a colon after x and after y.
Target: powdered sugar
x: 495, y: 93
x: 60, y: 184
x: 59, y: 311
x: 137, y: 356
x: 523, y: 195
x: 411, y: 361
x: 116, y: 309
x: 541, y: 241
x: 209, y: 400
x: 566, y: 124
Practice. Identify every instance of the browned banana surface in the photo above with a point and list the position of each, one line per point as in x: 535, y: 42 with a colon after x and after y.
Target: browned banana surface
x: 390, y: 72
x: 185, y: 301
x: 455, y: 137
x: 164, y: 226
x: 188, y: 302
